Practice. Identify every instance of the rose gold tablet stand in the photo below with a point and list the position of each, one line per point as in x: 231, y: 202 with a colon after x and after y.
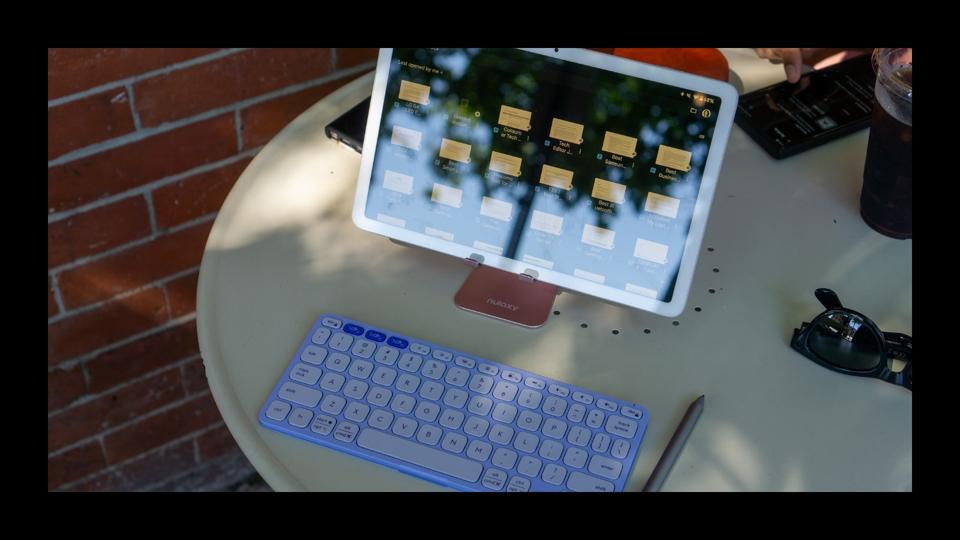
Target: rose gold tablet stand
x: 516, y: 298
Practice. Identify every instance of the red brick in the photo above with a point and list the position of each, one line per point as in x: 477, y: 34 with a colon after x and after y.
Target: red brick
x: 52, y: 307
x: 104, y: 325
x: 87, y: 121
x: 160, y: 429
x: 195, y: 377
x: 73, y: 70
x: 117, y: 170
x: 264, y: 120
x: 153, y: 352
x: 64, y: 386
x: 75, y: 463
x: 196, y: 195
x: 216, y: 443
x: 233, y: 78
x: 134, y: 267
x: 113, y: 408
x: 182, y: 294
x: 352, y: 56
x: 155, y: 467
x: 97, y: 230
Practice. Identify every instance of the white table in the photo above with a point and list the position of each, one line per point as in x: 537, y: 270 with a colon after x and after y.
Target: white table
x: 284, y: 250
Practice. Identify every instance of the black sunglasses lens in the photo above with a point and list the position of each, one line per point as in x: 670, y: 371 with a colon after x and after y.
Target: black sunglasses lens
x: 843, y: 340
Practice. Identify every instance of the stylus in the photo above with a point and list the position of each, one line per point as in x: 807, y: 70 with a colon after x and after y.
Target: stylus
x: 675, y: 445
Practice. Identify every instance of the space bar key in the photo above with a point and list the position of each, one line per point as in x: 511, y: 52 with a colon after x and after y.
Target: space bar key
x: 419, y: 454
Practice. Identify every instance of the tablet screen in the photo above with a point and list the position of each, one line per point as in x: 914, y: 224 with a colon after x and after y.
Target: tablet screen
x: 562, y: 166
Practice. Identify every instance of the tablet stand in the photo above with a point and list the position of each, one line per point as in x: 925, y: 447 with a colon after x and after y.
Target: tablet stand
x: 516, y: 298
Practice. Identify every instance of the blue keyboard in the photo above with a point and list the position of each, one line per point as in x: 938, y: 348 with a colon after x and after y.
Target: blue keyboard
x: 449, y: 417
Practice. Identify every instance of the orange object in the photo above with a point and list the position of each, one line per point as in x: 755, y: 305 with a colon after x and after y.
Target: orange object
x: 704, y: 62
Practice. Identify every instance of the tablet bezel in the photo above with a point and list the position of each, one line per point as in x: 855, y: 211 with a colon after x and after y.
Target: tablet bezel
x: 708, y: 183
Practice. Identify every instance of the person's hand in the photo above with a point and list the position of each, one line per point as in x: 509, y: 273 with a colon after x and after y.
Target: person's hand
x: 793, y: 59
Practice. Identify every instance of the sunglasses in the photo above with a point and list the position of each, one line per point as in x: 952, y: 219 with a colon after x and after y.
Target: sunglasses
x: 845, y: 341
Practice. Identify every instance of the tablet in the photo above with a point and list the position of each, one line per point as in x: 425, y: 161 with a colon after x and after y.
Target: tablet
x: 583, y: 170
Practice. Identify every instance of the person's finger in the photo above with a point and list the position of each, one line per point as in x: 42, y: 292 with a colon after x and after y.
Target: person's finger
x: 792, y: 62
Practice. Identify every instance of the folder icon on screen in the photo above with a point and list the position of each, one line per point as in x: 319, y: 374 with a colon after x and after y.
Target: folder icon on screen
x: 661, y: 204
x: 447, y: 195
x: 546, y: 222
x: 457, y: 151
x: 408, y: 138
x: 598, y: 236
x: 651, y: 251
x: 674, y: 158
x: 620, y: 144
x: 566, y: 131
x: 515, y: 118
x: 400, y: 183
x: 496, y: 209
x: 608, y: 191
x: 417, y: 93
x: 556, y: 177
x: 505, y: 163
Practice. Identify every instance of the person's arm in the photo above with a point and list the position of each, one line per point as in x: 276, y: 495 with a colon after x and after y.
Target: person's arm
x: 793, y: 59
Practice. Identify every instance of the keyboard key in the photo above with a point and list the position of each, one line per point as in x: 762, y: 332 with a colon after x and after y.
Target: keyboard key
x: 529, y: 420
x: 575, y: 457
x: 363, y: 348
x: 554, y: 428
x: 535, y: 383
x: 355, y: 389
x: 554, y: 474
x: 433, y: 369
x: 607, y: 404
x: 346, y: 432
x: 578, y: 436
x: 605, y: 467
x: 323, y: 424
x: 408, y: 383
x: 529, y: 398
x: 479, y: 450
x: 360, y: 369
x: 429, y: 435
x: 332, y: 382
x: 445, y: 356
x: 476, y: 426
x: 586, y: 399
x: 457, y: 376
x: 418, y: 454
x: 621, y: 426
x: 505, y: 391
x: 410, y: 362
x: 341, y: 341
x: 620, y: 449
x: 501, y: 434
x: 299, y: 394
x: 419, y: 348
x: 379, y: 396
x: 455, y: 398
x: 308, y: 375
x: 463, y: 361
x: 320, y: 336
x: 585, y: 483
x: 595, y: 418
x: 332, y: 323
x: 511, y: 376
x: 353, y: 329
x: 529, y: 466
x: 313, y: 355
x: 526, y: 442
x: 403, y: 404
x: 405, y: 427
x: 278, y: 410
x: 427, y: 411
x: 630, y: 412
x: 386, y: 355
x: 356, y: 411
x: 338, y: 362
x: 504, y: 412
x: 480, y: 383
x: 480, y: 405
x: 601, y: 441
x: 451, y: 419
x: 333, y: 404
x: 504, y: 458
x: 558, y: 390
x: 576, y: 412
x: 554, y: 406
x: 518, y: 485
x: 494, y: 479
x: 488, y: 369
x: 381, y: 419
x: 454, y: 442
x: 550, y: 450
x: 431, y: 390
x: 397, y: 342
x: 384, y: 375
x: 373, y: 335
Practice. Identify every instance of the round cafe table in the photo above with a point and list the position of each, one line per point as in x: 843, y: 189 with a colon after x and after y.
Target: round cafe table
x: 284, y: 250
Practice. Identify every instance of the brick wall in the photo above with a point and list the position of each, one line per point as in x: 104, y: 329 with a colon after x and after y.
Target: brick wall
x: 143, y: 146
